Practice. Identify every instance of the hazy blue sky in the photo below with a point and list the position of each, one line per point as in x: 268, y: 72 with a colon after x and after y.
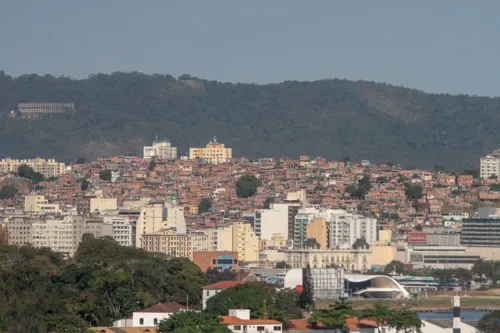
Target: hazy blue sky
x: 434, y: 45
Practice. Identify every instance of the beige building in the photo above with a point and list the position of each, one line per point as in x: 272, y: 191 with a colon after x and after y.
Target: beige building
x: 98, y: 228
x: 61, y: 236
x: 169, y: 243
x: 37, y: 204
x: 103, y: 204
x: 349, y: 259
x: 238, y: 237
x: 245, y: 242
x: 383, y: 254
x: 213, y: 153
x: 277, y: 241
x: 19, y: 230
x: 161, y: 149
x: 150, y: 220
x: 318, y: 230
x: 64, y: 235
x: 48, y: 168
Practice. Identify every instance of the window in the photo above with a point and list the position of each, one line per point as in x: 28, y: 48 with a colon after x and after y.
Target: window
x: 277, y: 328
x: 141, y: 321
x: 155, y: 321
x: 237, y: 328
x: 208, y: 293
x: 260, y: 328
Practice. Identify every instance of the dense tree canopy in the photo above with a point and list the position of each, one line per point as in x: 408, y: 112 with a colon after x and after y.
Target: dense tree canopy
x: 214, y: 275
x: 246, y: 186
x: 193, y: 322
x: 490, y: 322
x: 42, y: 293
x: 204, y: 206
x: 27, y: 172
x: 120, y: 113
x: 8, y: 192
x: 105, y: 175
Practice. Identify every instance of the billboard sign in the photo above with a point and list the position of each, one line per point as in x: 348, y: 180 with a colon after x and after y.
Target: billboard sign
x: 417, y: 237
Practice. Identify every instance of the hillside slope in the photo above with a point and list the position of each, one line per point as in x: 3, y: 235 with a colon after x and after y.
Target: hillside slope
x: 119, y: 113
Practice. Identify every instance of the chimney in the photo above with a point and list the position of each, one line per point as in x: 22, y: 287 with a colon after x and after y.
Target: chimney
x: 456, y: 314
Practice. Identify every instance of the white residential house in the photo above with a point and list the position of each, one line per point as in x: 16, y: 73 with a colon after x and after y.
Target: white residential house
x: 239, y: 321
x: 151, y: 316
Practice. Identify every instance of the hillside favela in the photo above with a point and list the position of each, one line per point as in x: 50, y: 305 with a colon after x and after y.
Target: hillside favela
x: 249, y: 166
x: 266, y: 244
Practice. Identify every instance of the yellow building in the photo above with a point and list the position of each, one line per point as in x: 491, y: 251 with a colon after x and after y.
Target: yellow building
x: 238, y: 237
x: 317, y: 229
x: 213, y: 153
x: 277, y: 241
x: 245, y: 242
x: 384, y: 237
x: 48, y: 168
x: 37, y: 204
x: 383, y: 254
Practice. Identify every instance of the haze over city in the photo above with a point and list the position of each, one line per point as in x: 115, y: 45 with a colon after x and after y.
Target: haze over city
x: 437, y: 46
x: 249, y: 167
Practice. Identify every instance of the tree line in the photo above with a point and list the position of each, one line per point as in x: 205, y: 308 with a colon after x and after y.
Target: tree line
x: 42, y: 292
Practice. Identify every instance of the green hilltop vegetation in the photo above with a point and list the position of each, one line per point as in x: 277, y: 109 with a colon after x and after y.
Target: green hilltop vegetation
x: 119, y: 113
x: 41, y: 292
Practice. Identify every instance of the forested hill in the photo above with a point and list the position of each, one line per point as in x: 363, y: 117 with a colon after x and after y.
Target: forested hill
x: 119, y: 113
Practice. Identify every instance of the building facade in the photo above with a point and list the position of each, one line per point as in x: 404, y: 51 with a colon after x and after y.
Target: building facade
x: 222, y: 260
x: 150, y: 220
x: 48, y: 168
x: 161, y: 149
x: 482, y: 230
x: 490, y: 165
x: 349, y: 259
x: 213, y: 153
x: 33, y: 110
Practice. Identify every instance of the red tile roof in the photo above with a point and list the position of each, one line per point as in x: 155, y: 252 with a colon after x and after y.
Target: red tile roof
x: 351, y: 323
x: 231, y: 320
x: 171, y: 307
x: 223, y: 284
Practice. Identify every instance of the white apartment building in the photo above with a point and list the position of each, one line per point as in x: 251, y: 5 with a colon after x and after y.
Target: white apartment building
x: 61, y: 236
x: 279, y: 219
x: 490, y: 165
x: 123, y: 229
x: 162, y: 149
x: 345, y: 228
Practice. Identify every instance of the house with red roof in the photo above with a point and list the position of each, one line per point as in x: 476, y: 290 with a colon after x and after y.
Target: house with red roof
x: 215, y: 288
x: 239, y: 321
x: 151, y: 316
x: 354, y: 325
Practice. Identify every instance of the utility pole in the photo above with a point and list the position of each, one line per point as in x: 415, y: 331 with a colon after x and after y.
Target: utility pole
x: 187, y: 301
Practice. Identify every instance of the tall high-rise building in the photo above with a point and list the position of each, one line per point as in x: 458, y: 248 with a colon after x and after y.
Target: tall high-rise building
x: 162, y: 149
x: 213, y: 153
